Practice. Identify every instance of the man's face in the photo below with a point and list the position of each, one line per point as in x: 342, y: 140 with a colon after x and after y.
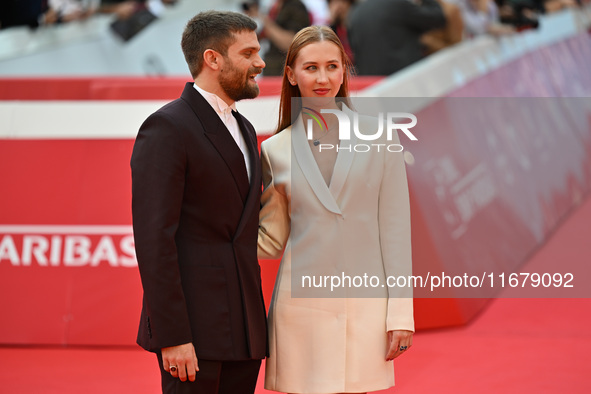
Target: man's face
x: 240, y: 66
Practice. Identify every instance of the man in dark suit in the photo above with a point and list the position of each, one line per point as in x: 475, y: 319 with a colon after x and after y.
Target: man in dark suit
x: 196, y: 184
x: 385, y: 35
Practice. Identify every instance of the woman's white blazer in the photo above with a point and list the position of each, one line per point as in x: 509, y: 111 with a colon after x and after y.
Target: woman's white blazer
x: 322, y: 339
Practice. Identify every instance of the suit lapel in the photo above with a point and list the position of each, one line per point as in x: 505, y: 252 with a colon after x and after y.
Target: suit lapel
x: 307, y: 163
x: 253, y: 199
x: 220, y: 137
x: 343, y: 162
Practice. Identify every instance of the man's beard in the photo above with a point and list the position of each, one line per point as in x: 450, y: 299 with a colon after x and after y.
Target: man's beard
x: 236, y: 84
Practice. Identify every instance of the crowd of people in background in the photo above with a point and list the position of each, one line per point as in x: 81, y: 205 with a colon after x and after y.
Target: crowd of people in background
x: 384, y: 36
x: 35, y: 13
x: 396, y: 33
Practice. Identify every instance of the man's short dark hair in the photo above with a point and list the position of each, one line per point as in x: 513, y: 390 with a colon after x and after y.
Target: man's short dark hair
x: 212, y: 30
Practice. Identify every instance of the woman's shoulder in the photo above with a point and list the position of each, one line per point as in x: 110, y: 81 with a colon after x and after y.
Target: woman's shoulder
x: 277, y: 140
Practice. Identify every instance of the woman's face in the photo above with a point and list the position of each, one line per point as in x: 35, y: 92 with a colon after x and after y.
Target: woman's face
x: 318, y: 70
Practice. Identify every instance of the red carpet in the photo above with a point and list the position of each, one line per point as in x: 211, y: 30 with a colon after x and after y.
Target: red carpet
x: 514, y: 346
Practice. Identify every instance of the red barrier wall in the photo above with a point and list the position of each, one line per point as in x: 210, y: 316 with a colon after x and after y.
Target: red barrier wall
x: 124, y: 88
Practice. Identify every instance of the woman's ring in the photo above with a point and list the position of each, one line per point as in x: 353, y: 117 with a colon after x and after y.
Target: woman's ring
x: 172, y: 368
x: 403, y: 347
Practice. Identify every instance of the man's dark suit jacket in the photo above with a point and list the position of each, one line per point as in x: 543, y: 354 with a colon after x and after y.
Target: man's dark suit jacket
x: 195, y: 222
x: 385, y: 34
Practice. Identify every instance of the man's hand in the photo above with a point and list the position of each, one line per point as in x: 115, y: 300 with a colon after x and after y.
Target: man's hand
x: 400, y: 341
x: 180, y: 361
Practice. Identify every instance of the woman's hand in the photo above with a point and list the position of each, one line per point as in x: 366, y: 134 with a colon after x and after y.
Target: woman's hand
x: 400, y: 341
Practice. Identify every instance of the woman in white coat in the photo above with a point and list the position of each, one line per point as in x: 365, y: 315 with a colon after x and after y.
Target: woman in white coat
x: 337, y: 216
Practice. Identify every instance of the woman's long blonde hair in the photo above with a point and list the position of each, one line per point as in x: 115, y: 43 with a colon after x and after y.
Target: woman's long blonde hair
x: 306, y: 36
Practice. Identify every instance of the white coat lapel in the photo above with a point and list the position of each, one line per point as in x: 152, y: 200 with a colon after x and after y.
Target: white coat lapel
x: 307, y: 163
x: 344, y: 160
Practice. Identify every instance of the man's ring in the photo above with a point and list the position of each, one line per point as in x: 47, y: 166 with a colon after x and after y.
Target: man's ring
x: 403, y: 347
x: 172, y: 368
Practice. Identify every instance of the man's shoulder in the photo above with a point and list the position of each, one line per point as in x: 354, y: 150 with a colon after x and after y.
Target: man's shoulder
x: 174, y: 106
x: 175, y: 112
x: 175, y: 115
x: 189, y: 101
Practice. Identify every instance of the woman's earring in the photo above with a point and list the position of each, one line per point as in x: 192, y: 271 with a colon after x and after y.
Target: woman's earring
x: 293, y: 83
